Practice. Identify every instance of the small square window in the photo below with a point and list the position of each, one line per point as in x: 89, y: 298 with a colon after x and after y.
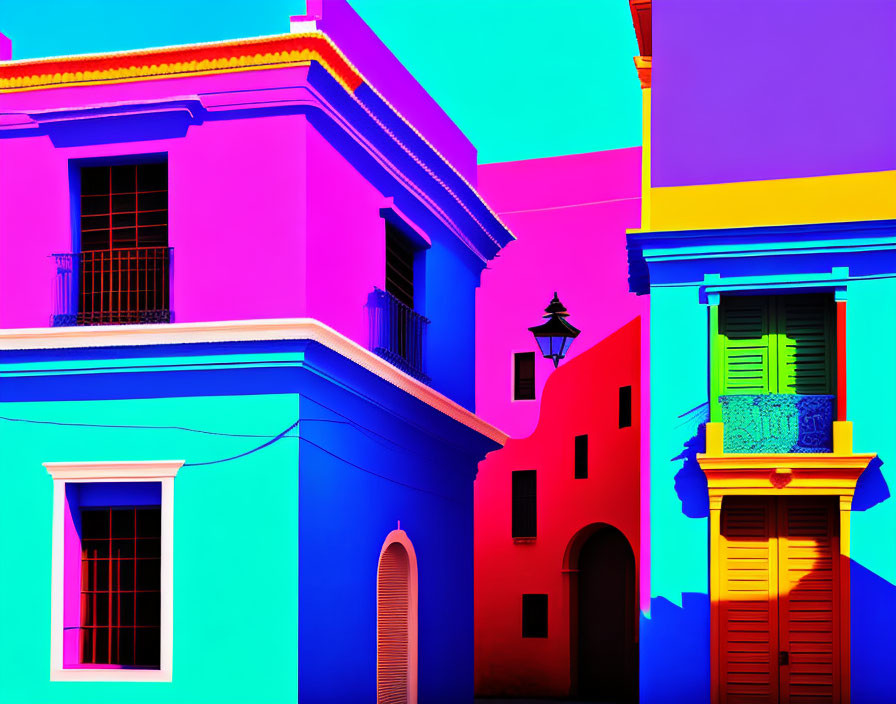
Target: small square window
x: 625, y: 406
x: 581, y: 461
x: 535, y: 615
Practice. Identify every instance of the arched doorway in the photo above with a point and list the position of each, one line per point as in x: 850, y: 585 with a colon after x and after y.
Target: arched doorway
x: 396, y: 622
x: 604, y: 619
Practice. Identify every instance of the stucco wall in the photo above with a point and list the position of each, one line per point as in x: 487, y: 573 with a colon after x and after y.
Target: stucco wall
x: 235, y: 593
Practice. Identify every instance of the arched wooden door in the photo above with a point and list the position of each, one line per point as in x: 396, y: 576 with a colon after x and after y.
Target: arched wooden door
x: 607, y: 619
x: 396, y: 650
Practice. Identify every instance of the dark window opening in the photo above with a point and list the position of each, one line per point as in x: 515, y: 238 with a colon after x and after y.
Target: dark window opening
x: 523, y: 376
x: 123, y: 263
x: 523, y: 507
x: 535, y: 615
x: 581, y: 457
x: 399, y: 266
x: 120, y: 586
x: 625, y: 406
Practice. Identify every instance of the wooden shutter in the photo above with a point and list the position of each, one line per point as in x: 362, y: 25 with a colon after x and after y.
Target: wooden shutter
x: 805, y: 344
x: 747, y: 349
x: 808, y: 548
x: 748, y: 619
x: 393, y: 628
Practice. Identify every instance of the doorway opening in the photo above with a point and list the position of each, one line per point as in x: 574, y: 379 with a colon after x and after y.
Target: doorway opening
x: 603, y: 616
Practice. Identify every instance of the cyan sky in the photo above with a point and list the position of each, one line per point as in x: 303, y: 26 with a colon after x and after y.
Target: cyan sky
x: 523, y: 78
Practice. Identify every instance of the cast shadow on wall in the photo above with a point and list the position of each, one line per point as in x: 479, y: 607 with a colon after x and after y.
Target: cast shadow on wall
x: 675, y: 650
x: 690, y: 482
x: 675, y: 644
x: 871, y: 489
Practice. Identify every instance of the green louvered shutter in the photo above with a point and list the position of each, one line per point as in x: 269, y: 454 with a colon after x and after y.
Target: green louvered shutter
x: 805, y: 342
x: 746, y: 343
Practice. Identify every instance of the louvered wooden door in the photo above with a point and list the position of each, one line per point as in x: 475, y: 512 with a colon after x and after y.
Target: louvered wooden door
x: 808, y: 579
x: 393, y: 626
x: 779, y: 597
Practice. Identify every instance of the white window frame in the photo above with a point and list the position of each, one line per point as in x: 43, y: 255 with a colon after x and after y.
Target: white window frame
x: 63, y: 473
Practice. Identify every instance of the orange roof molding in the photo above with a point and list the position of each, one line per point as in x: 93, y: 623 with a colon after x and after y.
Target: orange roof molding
x: 277, y: 51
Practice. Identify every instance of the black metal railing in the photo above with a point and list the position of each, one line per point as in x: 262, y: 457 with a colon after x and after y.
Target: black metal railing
x: 113, y: 286
x: 397, y: 333
x: 778, y: 423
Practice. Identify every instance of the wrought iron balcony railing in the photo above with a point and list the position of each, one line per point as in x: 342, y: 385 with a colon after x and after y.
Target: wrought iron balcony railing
x: 778, y: 423
x: 113, y: 286
x: 397, y: 333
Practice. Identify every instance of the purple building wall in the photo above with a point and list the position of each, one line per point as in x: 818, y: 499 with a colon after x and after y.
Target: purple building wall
x: 742, y: 98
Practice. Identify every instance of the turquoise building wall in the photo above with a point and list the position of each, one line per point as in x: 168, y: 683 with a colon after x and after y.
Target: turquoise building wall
x: 235, y: 594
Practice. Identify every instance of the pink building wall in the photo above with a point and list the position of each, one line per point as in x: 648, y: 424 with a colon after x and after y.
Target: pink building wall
x: 569, y: 215
x: 266, y: 218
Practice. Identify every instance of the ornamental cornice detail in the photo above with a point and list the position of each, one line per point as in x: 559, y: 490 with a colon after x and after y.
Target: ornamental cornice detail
x: 643, y: 64
x: 279, y: 51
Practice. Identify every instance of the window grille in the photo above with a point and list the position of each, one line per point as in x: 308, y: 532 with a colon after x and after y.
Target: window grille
x: 120, y: 586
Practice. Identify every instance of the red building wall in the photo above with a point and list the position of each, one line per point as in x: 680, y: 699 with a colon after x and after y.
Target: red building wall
x: 580, y: 397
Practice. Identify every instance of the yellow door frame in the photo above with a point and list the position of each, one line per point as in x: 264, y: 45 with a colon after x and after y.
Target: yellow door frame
x: 811, y: 474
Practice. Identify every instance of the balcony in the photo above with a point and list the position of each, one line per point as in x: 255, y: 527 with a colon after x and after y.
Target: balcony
x: 397, y: 333
x: 113, y: 287
x: 777, y: 423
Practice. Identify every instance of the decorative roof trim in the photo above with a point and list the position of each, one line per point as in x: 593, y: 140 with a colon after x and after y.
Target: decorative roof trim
x: 245, y: 331
x: 642, y: 20
x: 643, y: 64
x: 278, y: 51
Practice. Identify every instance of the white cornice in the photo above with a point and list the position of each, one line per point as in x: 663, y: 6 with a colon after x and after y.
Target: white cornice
x: 111, y: 471
x: 244, y: 331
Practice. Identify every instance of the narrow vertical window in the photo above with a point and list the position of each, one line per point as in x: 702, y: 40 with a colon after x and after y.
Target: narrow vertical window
x: 523, y: 376
x: 399, y: 266
x: 625, y: 406
x: 120, y: 586
x: 523, y: 507
x: 535, y: 615
x: 581, y: 457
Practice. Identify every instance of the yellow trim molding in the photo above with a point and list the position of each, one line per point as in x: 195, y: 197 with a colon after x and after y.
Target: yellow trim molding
x: 643, y: 64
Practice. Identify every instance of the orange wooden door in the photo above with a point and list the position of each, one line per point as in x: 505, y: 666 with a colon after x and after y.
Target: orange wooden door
x: 748, y: 608
x: 393, y: 633
x: 779, y: 596
x: 808, y: 596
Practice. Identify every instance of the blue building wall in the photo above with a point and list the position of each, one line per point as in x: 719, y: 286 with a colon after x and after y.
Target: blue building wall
x: 298, y: 464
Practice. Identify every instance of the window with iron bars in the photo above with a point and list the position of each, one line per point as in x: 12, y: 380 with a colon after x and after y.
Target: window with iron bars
x: 120, y: 586
x: 121, y: 273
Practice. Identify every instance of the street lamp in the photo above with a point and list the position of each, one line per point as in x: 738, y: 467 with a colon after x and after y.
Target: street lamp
x: 556, y: 335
